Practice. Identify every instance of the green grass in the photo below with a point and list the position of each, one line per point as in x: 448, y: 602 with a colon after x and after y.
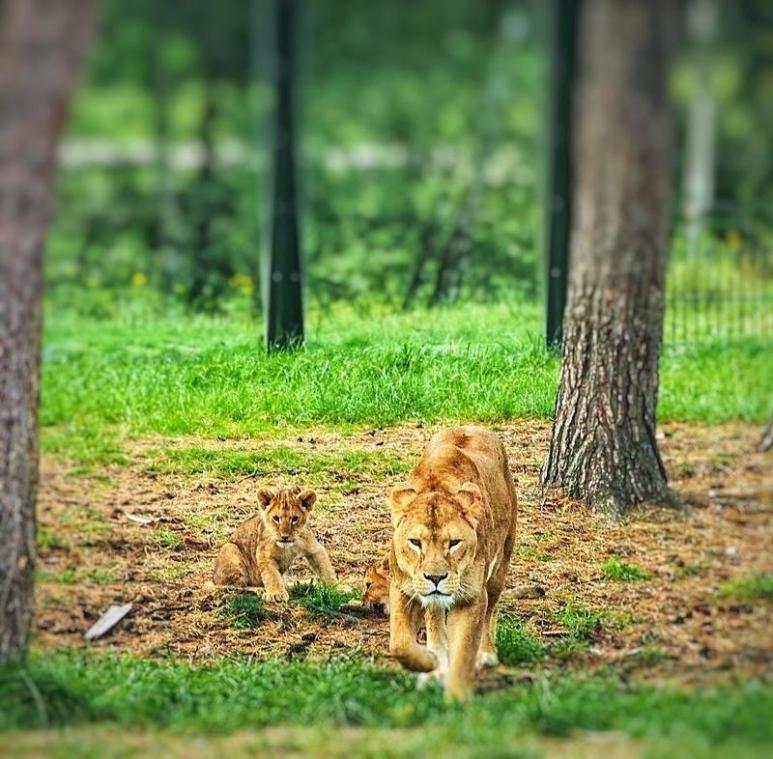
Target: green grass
x: 617, y: 569
x: 71, y: 688
x: 581, y: 623
x: 515, y: 643
x: 321, y: 599
x: 103, y: 380
x: 276, y: 461
x: 751, y: 588
x: 243, y: 611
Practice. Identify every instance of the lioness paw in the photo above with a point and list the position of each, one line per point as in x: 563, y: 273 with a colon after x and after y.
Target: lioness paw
x: 430, y: 679
x: 486, y: 659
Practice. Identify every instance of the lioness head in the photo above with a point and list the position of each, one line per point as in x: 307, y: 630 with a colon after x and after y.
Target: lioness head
x: 285, y: 512
x: 376, y: 586
x: 435, y: 541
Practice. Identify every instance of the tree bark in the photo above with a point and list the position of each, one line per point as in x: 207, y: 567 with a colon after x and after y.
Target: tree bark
x: 41, y: 44
x: 603, y: 449
x: 766, y: 441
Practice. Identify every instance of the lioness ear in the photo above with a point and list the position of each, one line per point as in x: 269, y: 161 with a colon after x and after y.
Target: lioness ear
x: 307, y: 498
x: 471, y: 502
x: 265, y: 496
x: 400, y: 499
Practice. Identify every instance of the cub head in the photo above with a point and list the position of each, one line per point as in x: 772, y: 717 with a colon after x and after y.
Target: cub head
x: 376, y: 586
x: 435, y: 541
x: 285, y: 512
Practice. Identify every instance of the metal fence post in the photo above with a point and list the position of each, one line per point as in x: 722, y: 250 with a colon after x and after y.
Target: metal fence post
x: 284, y: 301
x: 563, y: 21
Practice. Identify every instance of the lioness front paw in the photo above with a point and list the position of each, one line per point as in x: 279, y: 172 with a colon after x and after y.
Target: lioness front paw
x: 428, y: 679
x: 280, y: 595
x: 486, y: 659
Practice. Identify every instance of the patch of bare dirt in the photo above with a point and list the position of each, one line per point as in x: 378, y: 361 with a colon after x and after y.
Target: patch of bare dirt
x: 151, y: 539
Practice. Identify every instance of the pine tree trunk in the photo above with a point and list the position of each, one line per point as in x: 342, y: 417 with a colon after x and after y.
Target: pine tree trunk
x: 603, y: 449
x: 41, y: 43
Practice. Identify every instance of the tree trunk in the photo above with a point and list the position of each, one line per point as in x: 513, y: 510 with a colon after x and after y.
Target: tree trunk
x: 41, y: 44
x: 603, y: 449
x: 766, y: 442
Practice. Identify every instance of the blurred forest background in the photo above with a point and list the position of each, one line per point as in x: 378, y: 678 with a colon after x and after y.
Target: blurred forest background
x: 422, y: 150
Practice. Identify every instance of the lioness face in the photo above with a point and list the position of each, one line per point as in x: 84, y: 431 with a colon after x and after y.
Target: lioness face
x: 376, y: 586
x: 435, y: 543
x: 285, y: 513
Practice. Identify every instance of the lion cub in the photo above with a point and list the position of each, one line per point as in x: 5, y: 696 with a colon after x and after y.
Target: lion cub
x: 262, y: 549
x: 376, y: 586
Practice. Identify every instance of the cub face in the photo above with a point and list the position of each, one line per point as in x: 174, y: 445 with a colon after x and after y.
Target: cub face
x: 376, y: 586
x: 285, y: 513
x: 435, y: 542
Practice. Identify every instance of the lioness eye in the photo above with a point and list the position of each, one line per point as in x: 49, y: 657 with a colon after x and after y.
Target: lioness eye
x: 415, y: 543
x: 276, y: 518
x: 294, y: 520
x: 367, y: 585
x: 455, y: 542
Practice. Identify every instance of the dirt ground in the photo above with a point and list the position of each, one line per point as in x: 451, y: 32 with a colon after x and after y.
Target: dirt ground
x: 675, y: 624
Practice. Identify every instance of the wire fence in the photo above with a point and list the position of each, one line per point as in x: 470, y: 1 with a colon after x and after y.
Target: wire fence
x: 720, y: 282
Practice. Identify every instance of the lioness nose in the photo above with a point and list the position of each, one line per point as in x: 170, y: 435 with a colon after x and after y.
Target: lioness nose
x: 436, y: 579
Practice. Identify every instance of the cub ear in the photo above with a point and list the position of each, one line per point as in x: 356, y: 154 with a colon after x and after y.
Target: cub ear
x: 265, y: 496
x: 400, y: 499
x: 307, y: 498
x: 471, y: 502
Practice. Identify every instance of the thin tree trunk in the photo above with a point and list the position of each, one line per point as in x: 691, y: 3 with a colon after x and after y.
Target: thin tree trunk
x: 700, y: 150
x: 603, y: 449
x: 766, y: 442
x: 41, y: 45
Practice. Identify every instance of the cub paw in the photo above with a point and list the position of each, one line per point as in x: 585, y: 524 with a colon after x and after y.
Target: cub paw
x: 276, y: 595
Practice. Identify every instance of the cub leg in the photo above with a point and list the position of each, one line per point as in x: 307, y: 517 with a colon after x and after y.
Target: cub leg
x: 465, y: 628
x: 273, y: 581
x: 231, y: 567
x: 320, y: 562
x: 437, y: 635
x: 404, y: 621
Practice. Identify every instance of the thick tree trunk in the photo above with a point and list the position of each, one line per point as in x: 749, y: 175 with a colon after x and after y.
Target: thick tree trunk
x: 603, y: 449
x: 41, y: 43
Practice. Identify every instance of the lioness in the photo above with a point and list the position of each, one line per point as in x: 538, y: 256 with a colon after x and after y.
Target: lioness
x: 454, y: 530
x: 262, y: 549
x: 376, y: 586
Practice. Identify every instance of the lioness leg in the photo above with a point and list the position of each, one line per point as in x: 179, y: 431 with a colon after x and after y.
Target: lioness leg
x: 320, y: 562
x: 404, y: 621
x: 487, y: 653
x: 465, y: 628
x: 437, y: 635
x: 231, y: 567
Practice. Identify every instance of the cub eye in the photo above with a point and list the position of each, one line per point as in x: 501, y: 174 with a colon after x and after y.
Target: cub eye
x: 454, y: 542
x: 294, y: 520
x: 414, y: 542
x: 276, y: 518
x: 367, y: 585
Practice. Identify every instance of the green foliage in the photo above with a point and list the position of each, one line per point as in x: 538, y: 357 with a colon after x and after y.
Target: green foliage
x: 751, y: 588
x: 322, y: 599
x: 617, y: 569
x: 70, y: 688
x: 515, y: 644
x: 243, y: 611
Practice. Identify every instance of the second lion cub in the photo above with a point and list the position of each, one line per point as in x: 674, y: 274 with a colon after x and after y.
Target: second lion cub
x: 261, y: 550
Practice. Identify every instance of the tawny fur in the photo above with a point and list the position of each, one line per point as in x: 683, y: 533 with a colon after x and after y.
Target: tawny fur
x: 376, y: 585
x: 261, y: 550
x: 454, y: 531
